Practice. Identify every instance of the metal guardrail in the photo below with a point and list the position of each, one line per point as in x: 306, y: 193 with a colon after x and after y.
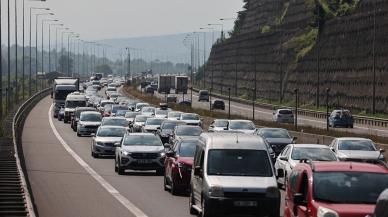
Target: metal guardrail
x: 378, y: 122
x: 15, y: 199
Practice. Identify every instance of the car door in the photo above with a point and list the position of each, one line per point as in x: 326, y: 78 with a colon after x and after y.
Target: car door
x: 280, y: 163
x: 303, y: 188
x: 170, y: 161
x: 290, y: 191
x: 197, y: 180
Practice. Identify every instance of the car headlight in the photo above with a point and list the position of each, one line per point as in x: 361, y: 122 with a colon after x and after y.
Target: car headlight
x: 100, y: 144
x: 272, y: 192
x: 325, y: 212
x: 125, y: 153
x: 162, y: 154
x: 216, y: 191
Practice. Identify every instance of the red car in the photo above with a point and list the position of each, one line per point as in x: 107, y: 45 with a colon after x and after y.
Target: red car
x: 334, y: 189
x: 178, y: 164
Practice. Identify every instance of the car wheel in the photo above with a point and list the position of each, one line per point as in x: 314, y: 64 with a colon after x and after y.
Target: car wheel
x: 160, y: 172
x: 78, y: 134
x: 352, y: 126
x: 120, y: 169
x: 74, y: 129
x: 116, y: 168
x: 191, y: 204
x: 165, y: 184
x: 205, y: 211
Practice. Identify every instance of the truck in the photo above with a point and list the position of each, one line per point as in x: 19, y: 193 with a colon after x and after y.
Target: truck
x: 181, y: 84
x: 165, y: 83
x: 61, y: 88
x: 73, y: 100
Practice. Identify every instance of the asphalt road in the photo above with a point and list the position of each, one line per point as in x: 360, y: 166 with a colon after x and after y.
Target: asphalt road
x: 265, y: 114
x: 67, y: 181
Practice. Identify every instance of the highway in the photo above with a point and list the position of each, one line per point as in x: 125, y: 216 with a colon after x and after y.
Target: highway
x: 67, y: 181
x: 266, y: 115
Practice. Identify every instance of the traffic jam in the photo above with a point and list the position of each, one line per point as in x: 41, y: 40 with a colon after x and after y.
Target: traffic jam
x: 231, y: 167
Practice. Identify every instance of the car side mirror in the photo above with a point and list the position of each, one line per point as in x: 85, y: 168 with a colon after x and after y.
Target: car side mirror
x: 211, y: 126
x: 382, y: 150
x: 332, y: 149
x: 298, y: 199
x: 158, y: 128
x: 294, y: 139
x: 198, y: 171
x: 117, y: 144
x: 167, y: 145
x: 280, y: 173
x: 284, y: 158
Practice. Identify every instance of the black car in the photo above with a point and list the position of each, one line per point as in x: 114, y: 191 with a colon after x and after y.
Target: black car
x: 277, y: 138
x: 149, y: 89
x: 218, y: 104
x: 185, y: 103
x: 172, y: 99
x: 166, y: 130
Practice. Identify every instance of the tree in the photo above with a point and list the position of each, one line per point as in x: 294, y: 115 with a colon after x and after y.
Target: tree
x: 64, y: 63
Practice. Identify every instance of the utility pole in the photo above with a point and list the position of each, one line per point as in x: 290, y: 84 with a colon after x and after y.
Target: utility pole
x: 374, y: 59
x: 318, y: 56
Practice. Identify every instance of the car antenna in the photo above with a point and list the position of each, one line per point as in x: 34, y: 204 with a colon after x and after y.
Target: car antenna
x: 237, y: 138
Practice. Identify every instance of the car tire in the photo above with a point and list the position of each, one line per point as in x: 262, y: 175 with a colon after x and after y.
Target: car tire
x: 116, y: 168
x: 160, y: 172
x: 120, y: 169
x: 78, y: 134
x: 165, y: 183
x: 352, y: 126
x: 205, y: 210
x: 191, y: 204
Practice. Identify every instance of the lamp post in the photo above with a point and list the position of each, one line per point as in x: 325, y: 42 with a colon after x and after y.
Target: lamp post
x: 62, y: 49
x: 56, y: 46
x: 296, y: 91
x: 222, y: 28
x: 43, y: 73
x: 49, y: 41
x: 229, y: 102
x: 327, y: 108
x: 227, y: 19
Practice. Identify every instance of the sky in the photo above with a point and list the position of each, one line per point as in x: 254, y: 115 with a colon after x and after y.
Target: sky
x: 104, y: 19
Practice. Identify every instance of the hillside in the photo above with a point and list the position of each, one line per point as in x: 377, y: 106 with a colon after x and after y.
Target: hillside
x: 305, y: 44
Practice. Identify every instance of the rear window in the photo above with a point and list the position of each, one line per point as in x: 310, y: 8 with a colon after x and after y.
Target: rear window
x: 142, y: 140
x: 187, y: 148
x: 285, y: 112
x: 357, y: 145
x: 188, y: 131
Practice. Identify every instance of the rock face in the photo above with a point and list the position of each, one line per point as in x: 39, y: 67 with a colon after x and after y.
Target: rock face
x: 279, y: 46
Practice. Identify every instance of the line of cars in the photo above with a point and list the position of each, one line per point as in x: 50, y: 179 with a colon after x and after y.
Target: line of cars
x: 235, y: 167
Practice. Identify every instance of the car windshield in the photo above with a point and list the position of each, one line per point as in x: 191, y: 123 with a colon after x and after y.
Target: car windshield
x: 152, y: 121
x: 108, y: 107
x: 188, y: 131
x: 161, y: 112
x: 93, y: 117
x: 75, y: 104
x: 349, y: 187
x: 241, y: 125
x: 141, y: 118
x: 115, y: 122
x: 121, y: 113
x: 190, y: 117
x: 239, y: 163
x: 315, y: 154
x: 131, y: 114
x: 111, y: 132
x: 174, y: 114
x: 106, y: 103
x: 275, y: 133
x: 78, y: 112
x: 168, y: 125
x: 148, y: 110
x: 285, y: 112
x: 221, y: 123
x: 142, y: 140
x: 356, y: 145
x: 117, y: 108
x: 187, y: 149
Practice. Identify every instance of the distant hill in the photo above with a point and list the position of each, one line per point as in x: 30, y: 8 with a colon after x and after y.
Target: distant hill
x: 164, y: 47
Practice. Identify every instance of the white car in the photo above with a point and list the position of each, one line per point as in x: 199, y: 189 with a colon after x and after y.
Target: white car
x: 283, y: 116
x: 140, y: 105
x: 149, y: 111
x: 191, y: 119
x: 161, y: 113
x: 130, y: 116
x: 293, y: 153
x: 139, y: 122
x: 174, y: 116
x: 88, y: 123
x: 152, y: 125
x: 356, y: 149
x: 244, y: 126
x: 219, y: 125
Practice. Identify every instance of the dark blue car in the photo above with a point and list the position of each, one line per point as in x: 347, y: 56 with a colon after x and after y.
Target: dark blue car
x: 341, y: 118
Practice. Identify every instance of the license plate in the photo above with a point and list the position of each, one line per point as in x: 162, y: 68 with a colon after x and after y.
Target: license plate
x: 144, y: 161
x: 245, y: 203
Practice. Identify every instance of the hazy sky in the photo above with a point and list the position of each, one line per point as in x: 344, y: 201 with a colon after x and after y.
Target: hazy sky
x: 101, y: 19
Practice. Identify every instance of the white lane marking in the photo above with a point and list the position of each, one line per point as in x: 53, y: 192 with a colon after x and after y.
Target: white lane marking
x: 124, y: 201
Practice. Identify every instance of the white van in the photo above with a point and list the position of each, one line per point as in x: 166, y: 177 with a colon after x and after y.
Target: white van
x: 73, y: 101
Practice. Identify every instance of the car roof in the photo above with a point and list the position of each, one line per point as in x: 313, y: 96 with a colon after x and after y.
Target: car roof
x: 349, y: 167
x: 353, y: 138
x: 155, y: 119
x: 187, y: 138
x: 113, y: 118
x: 233, y: 141
x: 240, y: 121
x: 309, y: 146
x: 187, y: 126
x: 90, y: 112
x: 141, y: 134
x: 109, y: 126
x: 86, y: 108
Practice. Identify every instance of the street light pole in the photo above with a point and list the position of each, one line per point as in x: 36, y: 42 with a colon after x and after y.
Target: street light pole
x: 49, y: 41
x: 43, y: 72
x: 9, y: 59
x: 327, y: 108
x: 16, y: 55
x: 296, y: 91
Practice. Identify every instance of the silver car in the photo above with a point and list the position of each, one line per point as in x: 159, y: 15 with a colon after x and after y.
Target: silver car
x: 283, y: 116
x: 88, y: 123
x: 218, y: 125
x: 149, y: 111
x: 244, y: 126
x: 104, y: 141
x: 174, y: 116
x: 139, y: 122
x: 356, y: 149
x: 140, y: 151
x: 152, y: 125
